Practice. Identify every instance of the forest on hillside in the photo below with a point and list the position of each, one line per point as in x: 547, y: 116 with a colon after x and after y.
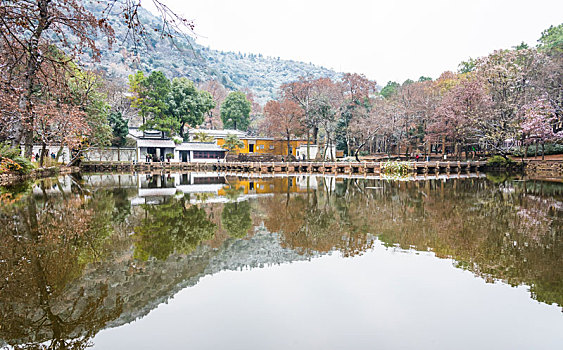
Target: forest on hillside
x: 182, y: 56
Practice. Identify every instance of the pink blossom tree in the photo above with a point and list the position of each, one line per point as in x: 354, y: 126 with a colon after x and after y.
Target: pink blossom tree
x: 537, y: 125
x: 460, y: 112
x: 508, y: 76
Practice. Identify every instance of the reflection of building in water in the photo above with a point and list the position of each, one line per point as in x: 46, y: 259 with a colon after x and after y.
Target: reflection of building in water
x: 53, y: 186
x: 209, y: 187
x: 111, y: 180
x: 215, y: 187
x: 258, y: 186
x: 309, y: 182
x: 153, y: 188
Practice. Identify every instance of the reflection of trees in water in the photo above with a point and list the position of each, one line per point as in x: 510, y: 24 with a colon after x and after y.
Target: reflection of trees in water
x: 175, y: 226
x: 315, y: 222
x: 236, y: 219
x: 122, y: 205
x: 11, y: 194
x: 498, y: 231
x: 495, y: 231
x: 45, y: 245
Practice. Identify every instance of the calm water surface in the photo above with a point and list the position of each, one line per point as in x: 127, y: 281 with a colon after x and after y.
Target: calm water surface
x: 208, y: 261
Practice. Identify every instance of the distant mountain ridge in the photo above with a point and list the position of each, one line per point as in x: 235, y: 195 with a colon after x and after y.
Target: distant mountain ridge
x: 263, y: 75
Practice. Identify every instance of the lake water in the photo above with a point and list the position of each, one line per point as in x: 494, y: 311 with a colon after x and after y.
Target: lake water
x: 210, y: 261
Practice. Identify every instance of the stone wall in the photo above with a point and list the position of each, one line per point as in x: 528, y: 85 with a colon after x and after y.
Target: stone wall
x: 14, y: 179
x: 545, y: 168
x: 258, y: 157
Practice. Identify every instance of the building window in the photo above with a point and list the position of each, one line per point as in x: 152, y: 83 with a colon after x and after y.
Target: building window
x: 272, y: 147
x: 208, y: 180
x: 261, y: 146
x: 208, y: 154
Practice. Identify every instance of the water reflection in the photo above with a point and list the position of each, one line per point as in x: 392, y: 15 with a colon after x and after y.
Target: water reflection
x: 175, y: 226
x: 81, y: 254
x: 46, y: 244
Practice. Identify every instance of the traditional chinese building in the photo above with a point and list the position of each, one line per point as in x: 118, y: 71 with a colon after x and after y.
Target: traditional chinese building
x: 156, y: 146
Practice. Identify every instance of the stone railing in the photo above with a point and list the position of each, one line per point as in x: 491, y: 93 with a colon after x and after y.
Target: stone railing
x: 544, y: 168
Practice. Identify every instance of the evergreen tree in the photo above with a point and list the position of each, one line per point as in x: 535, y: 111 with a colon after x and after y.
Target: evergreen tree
x: 120, y: 128
x: 152, y: 104
x: 187, y: 105
x: 389, y: 89
x: 235, y: 111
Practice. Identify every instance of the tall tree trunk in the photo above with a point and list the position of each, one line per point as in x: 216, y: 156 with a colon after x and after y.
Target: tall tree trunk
x: 315, y: 134
x: 308, y: 142
x: 357, y: 152
x: 443, y: 145
x: 329, y: 147
x: 25, y: 129
x: 182, y: 130
x: 42, y: 156
x: 60, y: 152
x: 543, y: 151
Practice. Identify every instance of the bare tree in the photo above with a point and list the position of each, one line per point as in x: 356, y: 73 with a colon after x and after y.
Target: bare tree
x: 31, y: 31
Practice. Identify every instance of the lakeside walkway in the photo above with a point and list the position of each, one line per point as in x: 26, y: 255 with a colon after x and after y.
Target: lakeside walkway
x: 432, y: 167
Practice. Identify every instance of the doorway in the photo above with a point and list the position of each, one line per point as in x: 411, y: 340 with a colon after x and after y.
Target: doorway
x: 251, y: 148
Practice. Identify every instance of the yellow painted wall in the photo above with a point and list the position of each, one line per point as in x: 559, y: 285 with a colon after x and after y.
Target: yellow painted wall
x: 264, y: 146
x: 277, y: 185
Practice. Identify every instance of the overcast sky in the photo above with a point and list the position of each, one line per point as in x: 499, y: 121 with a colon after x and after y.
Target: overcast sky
x: 385, y: 40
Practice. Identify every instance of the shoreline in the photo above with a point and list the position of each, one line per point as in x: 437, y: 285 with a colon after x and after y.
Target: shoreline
x: 41, y: 173
x: 551, y: 170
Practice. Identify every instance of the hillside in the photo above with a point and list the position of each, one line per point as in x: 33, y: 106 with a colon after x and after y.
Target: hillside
x: 262, y: 75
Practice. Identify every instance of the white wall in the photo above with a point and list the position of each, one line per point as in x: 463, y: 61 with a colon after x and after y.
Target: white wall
x: 111, y: 154
x: 313, y: 151
x: 64, y: 158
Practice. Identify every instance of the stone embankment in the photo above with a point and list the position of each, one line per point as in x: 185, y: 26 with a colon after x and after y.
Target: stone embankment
x: 544, y: 168
x: 434, y: 167
x: 12, y: 179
